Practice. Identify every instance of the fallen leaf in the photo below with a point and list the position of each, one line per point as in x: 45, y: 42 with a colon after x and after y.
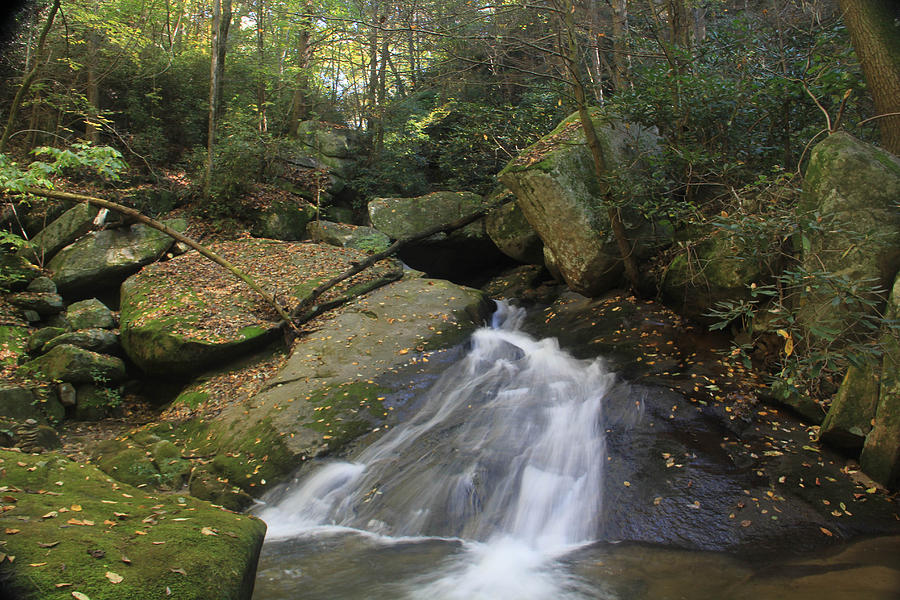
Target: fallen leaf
x: 208, y: 531
x: 75, y: 507
x: 10, y: 531
x: 80, y: 596
x: 179, y: 571
x: 97, y: 553
x: 114, y: 577
x: 63, y: 585
x: 47, y: 544
x: 746, y: 523
x: 126, y: 560
x: 826, y: 532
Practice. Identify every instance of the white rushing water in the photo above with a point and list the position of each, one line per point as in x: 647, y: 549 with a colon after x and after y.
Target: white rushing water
x: 506, y: 455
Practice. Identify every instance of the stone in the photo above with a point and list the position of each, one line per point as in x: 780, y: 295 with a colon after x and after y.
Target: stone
x: 105, y: 258
x: 90, y: 314
x: 95, y: 402
x: 66, y: 229
x: 880, y: 457
x: 517, y: 283
x: 32, y: 316
x: 173, y: 324
x: 367, y: 239
x: 67, y: 394
x: 448, y: 256
x: 42, y: 285
x: 43, y: 303
x: 326, y: 139
x: 16, y: 272
x: 852, y: 411
x: 95, y: 340
x: 513, y: 234
x: 16, y: 402
x: 76, y: 365
x: 557, y: 189
x: 41, y: 336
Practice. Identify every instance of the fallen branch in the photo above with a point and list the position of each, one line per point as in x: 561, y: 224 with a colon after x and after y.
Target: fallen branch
x: 140, y: 217
x: 308, y: 305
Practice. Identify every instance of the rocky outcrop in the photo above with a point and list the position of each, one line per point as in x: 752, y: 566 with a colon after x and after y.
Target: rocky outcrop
x: 337, y: 383
x: 343, y: 235
x: 560, y: 196
x: 105, y: 258
x: 184, y: 547
x: 90, y: 314
x: 441, y: 255
x: 72, y: 364
x: 852, y: 411
x: 185, y: 314
x: 283, y: 220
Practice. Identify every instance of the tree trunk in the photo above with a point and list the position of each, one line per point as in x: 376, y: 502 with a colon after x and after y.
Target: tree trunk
x: 300, y: 109
x: 262, y: 123
x: 875, y: 31
x: 91, y: 133
x: 28, y: 79
x: 221, y: 19
x: 620, y: 52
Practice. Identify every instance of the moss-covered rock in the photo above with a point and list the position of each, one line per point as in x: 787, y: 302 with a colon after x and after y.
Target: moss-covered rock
x: 880, y: 456
x: 716, y: 269
x: 174, y: 322
x: 13, y: 343
x: 95, y: 340
x: 367, y: 239
x: 440, y: 255
x: 42, y: 303
x: 41, y: 336
x: 559, y: 193
x: 64, y: 230
x: 283, y: 220
x: 16, y: 402
x: 76, y: 365
x: 95, y: 402
x: 514, y: 235
x: 105, y: 258
x: 331, y: 388
x: 85, y: 530
x: 852, y: 410
x: 90, y: 314
x: 16, y: 272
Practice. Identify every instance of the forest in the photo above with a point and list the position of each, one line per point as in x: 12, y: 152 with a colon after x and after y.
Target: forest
x: 211, y: 208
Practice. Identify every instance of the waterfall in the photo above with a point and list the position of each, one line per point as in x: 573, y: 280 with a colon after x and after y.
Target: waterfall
x: 506, y: 455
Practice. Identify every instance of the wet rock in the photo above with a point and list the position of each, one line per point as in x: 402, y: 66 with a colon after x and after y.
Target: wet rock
x: 90, y: 314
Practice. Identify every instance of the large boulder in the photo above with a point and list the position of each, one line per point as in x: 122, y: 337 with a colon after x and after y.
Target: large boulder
x: 180, y: 316
x: 442, y: 255
x: 338, y: 383
x: 105, y: 258
x: 66, y: 229
x: 282, y: 219
x: 16, y: 272
x: 881, y: 453
x: 83, y: 536
x: 513, y: 234
x: 852, y: 411
x: 327, y: 139
x: 343, y: 235
x: 90, y: 314
x: 850, y: 191
x: 558, y: 191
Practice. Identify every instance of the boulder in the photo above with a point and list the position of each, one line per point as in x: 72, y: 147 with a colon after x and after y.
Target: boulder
x: 283, y: 220
x: 41, y: 336
x: 105, y: 258
x: 213, y: 551
x: 95, y: 340
x: 557, y: 189
x: 852, y: 411
x: 76, y: 365
x: 43, y: 303
x: 713, y: 270
x: 90, y: 314
x: 174, y: 321
x: 513, y: 234
x: 43, y: 285
x: 851, y: 189
x: 880, y: 457
x: 326, y: 139
x: 331, y: 389
x: 367, y: 239
x: 451, y: 256
x: 66, y: 229
x: 16, y: 402
x: 16, y: 272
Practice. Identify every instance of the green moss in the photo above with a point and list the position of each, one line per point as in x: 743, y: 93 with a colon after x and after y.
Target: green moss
x: 157, y: 533
x: 13, y: 343
x: 346, y: 411
x: 191, y: 399
x: 251, y: 331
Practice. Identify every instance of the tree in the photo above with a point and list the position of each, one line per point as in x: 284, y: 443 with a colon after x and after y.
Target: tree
x: 220, y: 23
x: 875, y: 31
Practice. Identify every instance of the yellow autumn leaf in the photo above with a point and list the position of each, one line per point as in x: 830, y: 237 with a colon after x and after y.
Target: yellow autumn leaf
x: 783, y: 333
x: 208, y: 531
x: 114, y: 577
x: 80, y: 596
x: 788, y: 346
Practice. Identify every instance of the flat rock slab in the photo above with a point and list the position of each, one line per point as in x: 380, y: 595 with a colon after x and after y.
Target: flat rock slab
x: 183, y: 315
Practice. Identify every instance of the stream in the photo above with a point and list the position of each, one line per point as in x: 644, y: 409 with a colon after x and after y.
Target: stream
x: 494, y: 490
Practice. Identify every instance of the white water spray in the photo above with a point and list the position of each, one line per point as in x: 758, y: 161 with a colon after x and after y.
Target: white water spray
x: 506, y: 454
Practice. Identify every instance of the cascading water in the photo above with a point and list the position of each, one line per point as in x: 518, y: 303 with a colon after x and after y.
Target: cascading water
x: 505, y: 459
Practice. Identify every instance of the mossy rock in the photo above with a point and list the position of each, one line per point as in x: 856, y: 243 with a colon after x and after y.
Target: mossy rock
x: 852, y: 411
x: 43, y: 303
x: 173, y: 322
x: 514, y: 235
x: 64, y: 230
x: 283, y: 221
x: 76, y: 365
x: 558, y: 191
x: 90, y: 314
x: 16, y: 272
x: 41, y: 336
x: 94, y: 402
x: 95, y: 340
x: 366, y: 239
x: 174, y: 545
